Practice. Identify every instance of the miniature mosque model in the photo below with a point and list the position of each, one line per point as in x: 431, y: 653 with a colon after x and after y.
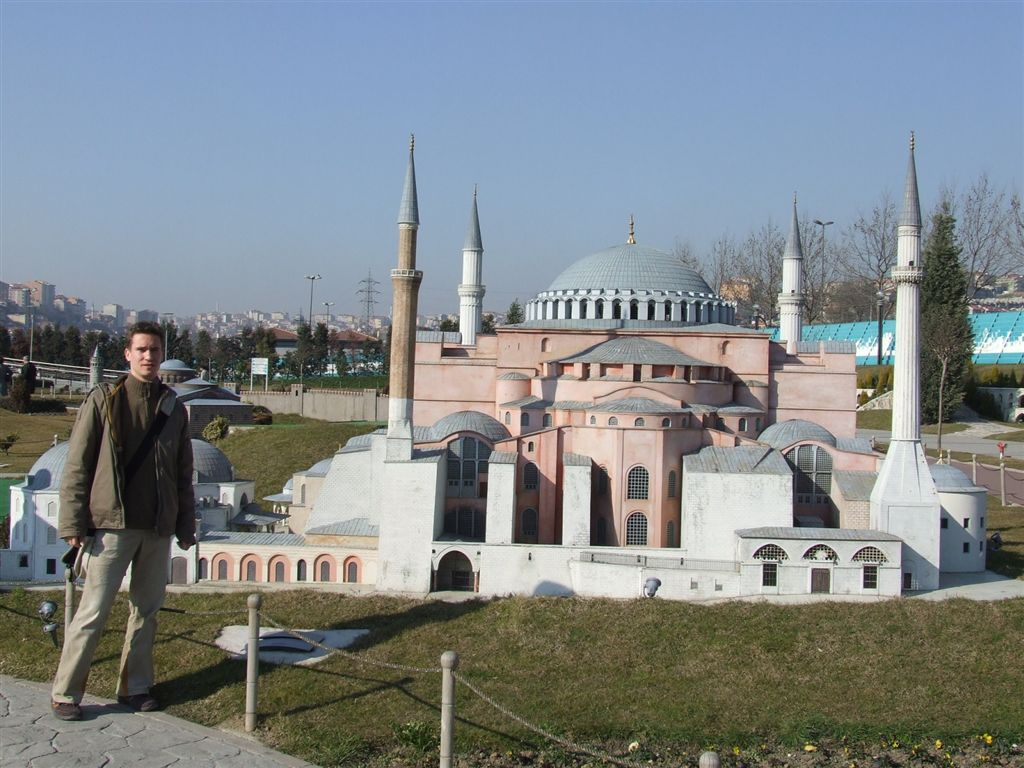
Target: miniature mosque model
x: 627, y: 433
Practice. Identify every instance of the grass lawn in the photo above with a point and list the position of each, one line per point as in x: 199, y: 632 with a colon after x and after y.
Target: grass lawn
x: 675, y: 677
x: 882, y: 419
x: 35, y: 435
x: 270, y: 455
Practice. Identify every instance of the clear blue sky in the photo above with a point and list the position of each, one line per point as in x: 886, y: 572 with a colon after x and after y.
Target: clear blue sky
x: 184, y: 155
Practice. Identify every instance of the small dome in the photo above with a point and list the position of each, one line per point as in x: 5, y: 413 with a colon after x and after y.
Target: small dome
x: 630, y: 267
x: 470, y: 421
x: 949, y: 478
x: 321, y: 467
x: 48, y: 469
x: 210, y: 463
x: 785, y: 433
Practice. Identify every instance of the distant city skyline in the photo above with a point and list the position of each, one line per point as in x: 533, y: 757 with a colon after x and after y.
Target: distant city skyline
x: 208, y: 155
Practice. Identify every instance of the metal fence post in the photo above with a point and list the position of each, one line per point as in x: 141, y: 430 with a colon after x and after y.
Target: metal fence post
x: 1002, y: 482
x: 449, y: 663
x: 974, y: 468
x: 252, y: 667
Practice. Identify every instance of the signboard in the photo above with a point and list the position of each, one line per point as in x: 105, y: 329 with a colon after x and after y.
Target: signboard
x: 260, y: 366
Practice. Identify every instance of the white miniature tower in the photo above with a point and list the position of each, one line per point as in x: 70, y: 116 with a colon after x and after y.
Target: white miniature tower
x: 904, y: 501
x: 471, y: 291
x: 791, y: 300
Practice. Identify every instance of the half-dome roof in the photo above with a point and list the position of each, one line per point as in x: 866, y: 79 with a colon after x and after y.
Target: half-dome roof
x: 210, y: 463
x: 951, y: 479
x: 48, y: 469
x: 785, y: 433
x: 630, y: 267
x: 469, y: 421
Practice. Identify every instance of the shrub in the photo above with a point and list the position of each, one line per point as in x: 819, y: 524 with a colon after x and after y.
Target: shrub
x: 417, y: 735
x: 216, y: 429
x: 262, y: 415
x: 20, y: 397
x: 7, y: 442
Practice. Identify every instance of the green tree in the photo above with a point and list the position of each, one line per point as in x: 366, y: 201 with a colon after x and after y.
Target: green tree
x: 321, y: 349
x: 449, y: 324
x: 946, y: 338
x: 515, y: 313
x: 5, y: 342
x: 487, y: 324
x: 74, y: 352
x: 203, y: 352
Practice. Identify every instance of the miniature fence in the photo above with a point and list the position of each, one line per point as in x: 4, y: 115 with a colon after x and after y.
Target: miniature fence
x: 996, y: 478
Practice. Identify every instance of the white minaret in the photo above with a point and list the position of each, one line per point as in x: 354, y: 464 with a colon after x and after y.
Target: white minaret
x: 791, y: 300
x: 471, y: 291
x: 904, y: 501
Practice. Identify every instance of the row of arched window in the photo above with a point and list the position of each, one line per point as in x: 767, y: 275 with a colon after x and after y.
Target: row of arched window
x: 279, y: 569
x: 775, y: 553
x: 664, y: 309
x: 638, y: 481
x: 613, y: 421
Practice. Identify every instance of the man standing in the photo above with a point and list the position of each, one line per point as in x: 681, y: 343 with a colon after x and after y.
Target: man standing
x: 127, y: 487
x: 28, y: 373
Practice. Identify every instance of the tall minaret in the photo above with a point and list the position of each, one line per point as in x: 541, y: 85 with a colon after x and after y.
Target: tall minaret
x: 405, y: 282
x: 791, y: 300
x: 904, y: 501
x: 471, y: 291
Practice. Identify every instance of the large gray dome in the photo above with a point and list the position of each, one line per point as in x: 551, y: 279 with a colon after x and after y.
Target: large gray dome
x: 48, y: 469
x: 210, y: 463
x: 785, y: 433
x: 630, y: 267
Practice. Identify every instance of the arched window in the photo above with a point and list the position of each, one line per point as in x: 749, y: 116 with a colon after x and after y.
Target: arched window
x: 529, y: 446
x: 545, y: 344
x: 771, y: 552
x: 634, y: 310
x: 546, y: 420
x: 672, y: 484
x: 602, y: 481
x: 524, y: 419
x: 325, y: 571
x: 743, y: 425
x: 352, y: 570
x: 870, y: 555
x: 639, y: 422
x: 51, y: 509
x: 757, y: 424
x: 222, y: 570
x: 666, y: 422
x: 637, y: 483
x: 599, y: 310
x: 652, y: 310
x: 821, y: 552
x: 530, y: 476
x: 508, y: 417
x: 250, y: 571
x: 670, y: 534
x: 813, y: 473
x: 51, y: 535
x: 613, y: 422
x: 583, y: 309
x: 300, y: 571
x: 593, y: 419
x: 279, y: 571
x: 323, y: 568
x: 636, y: 530
x: 529, y: 522
x: 204, y: 568
x: 467, y: 460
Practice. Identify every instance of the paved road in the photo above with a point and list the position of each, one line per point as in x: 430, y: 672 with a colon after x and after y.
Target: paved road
x: 973, y: 440
x: 111, y: 736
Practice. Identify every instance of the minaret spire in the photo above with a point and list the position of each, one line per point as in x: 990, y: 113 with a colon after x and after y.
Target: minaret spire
x: 405, y: 282
x: 791, y: 300
x: 471, y: 290
x: 631, y: 240
x: 904, y: 501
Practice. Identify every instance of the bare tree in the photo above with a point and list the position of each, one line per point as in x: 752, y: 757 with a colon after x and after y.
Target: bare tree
x: 986, y: 230
x: 683, y: 251
x: 821, y: 274
x: 760, y: 261
x: 721, y: 265
x: 945, y: 335
x: 869, y: 245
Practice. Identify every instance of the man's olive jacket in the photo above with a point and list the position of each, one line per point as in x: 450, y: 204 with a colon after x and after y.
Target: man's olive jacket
x: 92, y: 487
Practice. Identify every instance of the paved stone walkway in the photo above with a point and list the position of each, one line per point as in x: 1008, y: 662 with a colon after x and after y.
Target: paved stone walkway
x: 110, y: 736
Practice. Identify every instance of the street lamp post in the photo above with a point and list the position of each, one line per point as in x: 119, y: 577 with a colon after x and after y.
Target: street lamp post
x: 302, y: 362
x: 327, y: 311
x: 881, y: 299
x: 823, y: 224
x: 167, y: 316
x: 312, y: 279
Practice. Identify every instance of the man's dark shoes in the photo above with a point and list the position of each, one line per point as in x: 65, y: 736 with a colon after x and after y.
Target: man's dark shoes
x: 140, y: 702
x: 66, y: 710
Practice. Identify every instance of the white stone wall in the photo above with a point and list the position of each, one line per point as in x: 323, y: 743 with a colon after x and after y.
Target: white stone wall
x: 715, y: 505
x: 965, y: 513
x: 412, y: 514
x: 576, y: 488
x: 501, y: 503
x: 349, y: 486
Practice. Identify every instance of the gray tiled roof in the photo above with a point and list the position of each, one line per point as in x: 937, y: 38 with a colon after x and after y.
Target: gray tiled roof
x: 815, y: 534
x: 745, y: 459
x: 523, y: 402
x: 630, y: 266
x: 638, y: 405
x: 436, y: 337
x: 469, y: 421
x: 513, y: 376
x: 257, y: 517
x: 635, y: 350
x: 357, y: 526
x: 503, y: 457
x: 949, y: 478
x: 572, y: 405
x: 240, y: 537
x: 855, y: 486
x: 854, y: 445
x: 734, y: 409
x: 320, y: 468
x: 785, y: 433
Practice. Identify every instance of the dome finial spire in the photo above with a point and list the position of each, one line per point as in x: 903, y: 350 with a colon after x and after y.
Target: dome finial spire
x: 911, y: 141
x: 631, y: 240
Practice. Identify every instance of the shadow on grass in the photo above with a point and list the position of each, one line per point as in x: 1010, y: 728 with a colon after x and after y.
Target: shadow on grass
x: 1006, y: 563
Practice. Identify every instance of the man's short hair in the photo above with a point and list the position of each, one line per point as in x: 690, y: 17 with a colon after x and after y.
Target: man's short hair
x: 145, y: 327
